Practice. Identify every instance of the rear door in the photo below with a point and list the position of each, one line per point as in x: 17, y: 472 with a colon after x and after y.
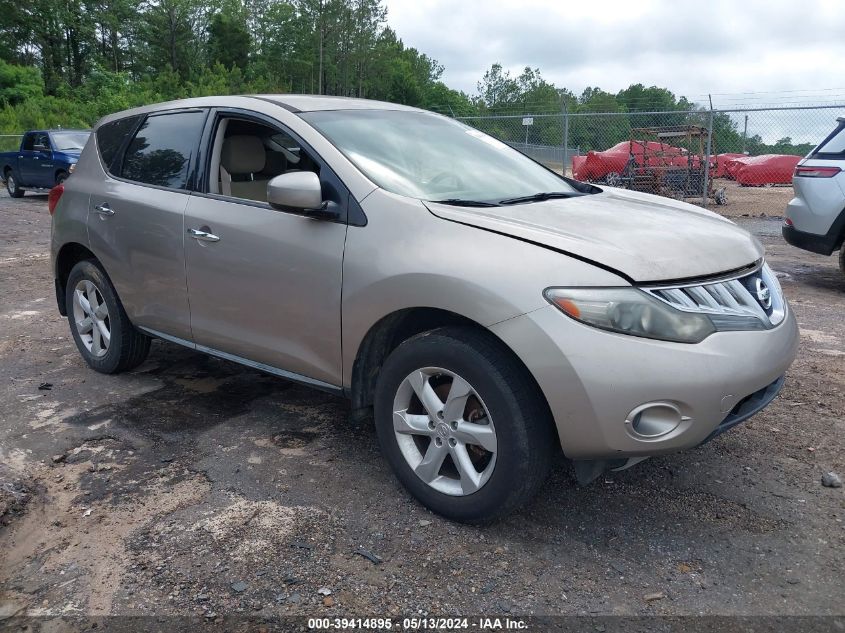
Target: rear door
x: 136, y: 214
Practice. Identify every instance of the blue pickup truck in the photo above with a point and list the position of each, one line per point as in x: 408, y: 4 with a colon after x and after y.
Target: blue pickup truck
x: 45, y: 159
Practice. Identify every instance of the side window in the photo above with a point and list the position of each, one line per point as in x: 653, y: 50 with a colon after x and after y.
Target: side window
x: 283, y: 143
x: 248, y: 154
x: 110, y: 138
x: 42, y: 141
x: 161, y: 151
x: 835, y: 143
x: 28, y: 142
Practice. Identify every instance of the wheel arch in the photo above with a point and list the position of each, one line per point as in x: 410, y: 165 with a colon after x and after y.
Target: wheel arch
x: 392, y: 330
x: 68, y: 256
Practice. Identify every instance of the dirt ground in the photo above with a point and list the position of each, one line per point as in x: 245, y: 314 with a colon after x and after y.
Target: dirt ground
x: 766, y: 201
x: 193, y: 486
x: 752, y: 201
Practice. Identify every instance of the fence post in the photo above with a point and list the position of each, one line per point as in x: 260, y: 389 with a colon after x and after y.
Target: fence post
x: 704, y: 198
x: 565, y: 136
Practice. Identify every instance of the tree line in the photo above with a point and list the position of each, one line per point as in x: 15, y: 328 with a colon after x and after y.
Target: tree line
x: 635, y: 107
x: 68, y: 62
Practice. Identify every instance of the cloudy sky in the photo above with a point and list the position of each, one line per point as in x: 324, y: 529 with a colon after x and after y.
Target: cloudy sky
x: 782, y: 50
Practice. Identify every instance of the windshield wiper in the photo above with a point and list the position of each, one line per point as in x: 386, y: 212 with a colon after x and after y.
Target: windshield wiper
x: 461, y: 202
x: 539, y: 197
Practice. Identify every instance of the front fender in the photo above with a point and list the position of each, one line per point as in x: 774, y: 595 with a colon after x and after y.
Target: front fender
x: 405, y: 257
x: 64, y: 161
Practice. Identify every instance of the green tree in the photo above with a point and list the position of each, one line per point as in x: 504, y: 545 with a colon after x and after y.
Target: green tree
x: 497, y: 90
x: 228, y: 39
x: 637, y: 98
x: 170, y: 37
x: 440, y: 98
x: 19, y: 83
x: 598, y: 133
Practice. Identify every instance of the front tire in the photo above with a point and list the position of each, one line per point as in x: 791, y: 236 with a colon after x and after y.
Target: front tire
x: 12, y: 186
x: 61, y: 177
x: 463, y: 425
x: 105, y: 337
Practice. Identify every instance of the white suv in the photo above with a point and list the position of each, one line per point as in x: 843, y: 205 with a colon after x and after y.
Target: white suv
x: 815, y: 217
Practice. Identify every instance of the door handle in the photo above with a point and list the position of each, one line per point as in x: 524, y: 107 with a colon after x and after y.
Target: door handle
x: 104, y: 209
x: 204, y: 236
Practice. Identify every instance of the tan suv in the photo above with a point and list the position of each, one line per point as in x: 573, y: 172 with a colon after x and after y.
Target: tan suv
x: 487, y: 310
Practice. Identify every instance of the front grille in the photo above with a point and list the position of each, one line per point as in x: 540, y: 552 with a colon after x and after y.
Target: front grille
x: 751, y: 301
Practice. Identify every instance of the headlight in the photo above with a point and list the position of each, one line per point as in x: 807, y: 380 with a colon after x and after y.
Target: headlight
x: 71, y: 168
x: 630, y: 311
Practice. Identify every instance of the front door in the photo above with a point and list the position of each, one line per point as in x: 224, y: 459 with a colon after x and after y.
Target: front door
x: 264, y: 285
x: 36, y: 161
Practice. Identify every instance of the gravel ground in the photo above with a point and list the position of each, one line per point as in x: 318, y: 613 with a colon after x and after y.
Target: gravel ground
x: 193, y: 486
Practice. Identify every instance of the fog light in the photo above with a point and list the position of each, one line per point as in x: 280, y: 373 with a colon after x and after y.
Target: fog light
x: 654, y: 419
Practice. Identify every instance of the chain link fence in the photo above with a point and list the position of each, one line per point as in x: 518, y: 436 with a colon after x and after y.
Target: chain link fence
x: 703, y: 156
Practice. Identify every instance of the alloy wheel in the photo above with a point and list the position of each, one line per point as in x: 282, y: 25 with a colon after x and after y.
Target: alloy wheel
x: 444, y: 431
x: 91, y: 318
x: 11, y: 185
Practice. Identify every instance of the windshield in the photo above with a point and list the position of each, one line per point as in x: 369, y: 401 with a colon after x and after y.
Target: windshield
x: 430, y: 157
x: 63, y: 141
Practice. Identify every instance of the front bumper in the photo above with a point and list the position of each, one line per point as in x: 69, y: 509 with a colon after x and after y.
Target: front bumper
x: 594, y: 381
x: 748, y: 407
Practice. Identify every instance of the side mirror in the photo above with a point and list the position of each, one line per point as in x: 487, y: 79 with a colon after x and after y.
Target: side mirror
x: 300, y: 192
x: 41, y: 148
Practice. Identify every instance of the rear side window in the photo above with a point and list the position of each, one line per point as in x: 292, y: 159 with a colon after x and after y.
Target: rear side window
x: 833, y: 145
x: 110, y: 138
x: 28, y: 142
x: 160, y: 153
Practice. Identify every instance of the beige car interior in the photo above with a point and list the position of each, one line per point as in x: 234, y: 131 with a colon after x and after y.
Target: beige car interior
x: 247, y: 155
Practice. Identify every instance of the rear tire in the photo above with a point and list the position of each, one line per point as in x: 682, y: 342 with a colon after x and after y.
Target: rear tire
x: 12, y: 186
x: 842, y: 260
x: 105, y: 337
x: 504, y: 400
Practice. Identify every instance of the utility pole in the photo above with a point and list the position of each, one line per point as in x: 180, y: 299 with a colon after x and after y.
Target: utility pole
x: 565, y: 135
x: 320, y: 73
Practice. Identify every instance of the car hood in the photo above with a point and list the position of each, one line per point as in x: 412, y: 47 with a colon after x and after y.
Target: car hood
x: 72, y: 154
x: 645, y: 237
